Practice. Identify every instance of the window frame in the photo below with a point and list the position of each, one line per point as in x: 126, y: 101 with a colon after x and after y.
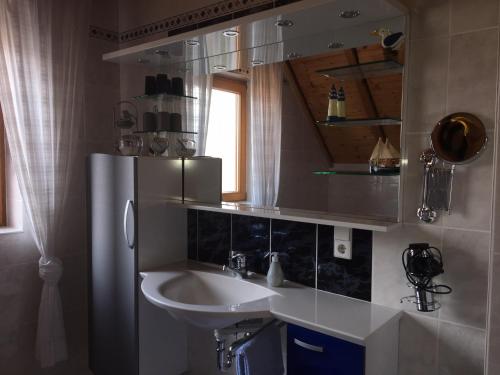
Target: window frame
x: 238, y: 87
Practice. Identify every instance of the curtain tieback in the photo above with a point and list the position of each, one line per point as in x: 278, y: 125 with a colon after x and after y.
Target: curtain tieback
x: 50, y: 270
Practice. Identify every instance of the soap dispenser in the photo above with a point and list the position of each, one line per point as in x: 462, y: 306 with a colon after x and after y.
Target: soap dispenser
x: 275, y: 274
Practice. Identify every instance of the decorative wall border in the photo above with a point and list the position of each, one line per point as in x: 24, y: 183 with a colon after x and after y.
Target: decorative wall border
x: 100, y: 33
x: 210, y: 15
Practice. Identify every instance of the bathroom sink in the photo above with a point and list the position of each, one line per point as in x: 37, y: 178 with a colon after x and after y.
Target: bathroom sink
x: 207, y: 298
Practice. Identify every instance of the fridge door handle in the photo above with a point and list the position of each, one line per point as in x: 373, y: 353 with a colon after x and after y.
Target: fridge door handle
x: 129, y: 204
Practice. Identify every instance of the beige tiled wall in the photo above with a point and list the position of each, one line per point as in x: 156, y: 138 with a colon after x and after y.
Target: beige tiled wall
x: 452, y: 67
x: 20, y: 285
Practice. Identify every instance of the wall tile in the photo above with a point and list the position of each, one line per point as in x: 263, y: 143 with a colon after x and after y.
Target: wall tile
x: 214, y: 237
x: 17, y: 355
x: 73, y: 234
x: 16, y: 248
x: 366, y: 192
x: 99, y: 116
x: 469, y: 15
x: 250, y: 236
x: 73, y: 283
x: 430, y: 20
x: 494, y: 336
x: 428, y: 74
x: 99, y: 72
x: 471, y: 201
x: 465, y: 258
x: 473, y: 74
x: 461, y: 350
x: 296, y: 244
x: 418, y: 341
x: 347, y: 277
x: 20, y: 290
x: 105, y: 14
x: 496, y: 209
x: 389, y: 281
x: 192, y: 227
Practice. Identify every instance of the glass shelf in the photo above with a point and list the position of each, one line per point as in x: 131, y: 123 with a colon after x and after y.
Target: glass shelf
x: 162, y: 131
x: 355, y: 173
x: 362, y: 122
x: 360, y: 71
x: 163, y: 96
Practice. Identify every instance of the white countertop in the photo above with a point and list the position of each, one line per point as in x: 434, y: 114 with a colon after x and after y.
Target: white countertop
x: 343, y: 317
x: 347, y: 318
x: 304, y: 216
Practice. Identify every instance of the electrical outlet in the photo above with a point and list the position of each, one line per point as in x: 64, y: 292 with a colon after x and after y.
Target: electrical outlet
x: 342, y: 249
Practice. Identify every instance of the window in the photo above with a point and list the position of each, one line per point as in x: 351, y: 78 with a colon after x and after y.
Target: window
x: 226, y: 137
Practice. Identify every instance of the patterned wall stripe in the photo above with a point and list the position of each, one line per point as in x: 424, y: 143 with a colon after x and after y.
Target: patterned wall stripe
x: 196, y: 19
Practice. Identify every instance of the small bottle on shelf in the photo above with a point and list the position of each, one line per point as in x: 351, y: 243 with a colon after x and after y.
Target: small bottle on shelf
x: 341, y: 113
x: 332, y: 105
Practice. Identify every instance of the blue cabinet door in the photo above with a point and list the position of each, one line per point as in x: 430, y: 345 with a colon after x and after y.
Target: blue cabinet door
x: 313, y: 353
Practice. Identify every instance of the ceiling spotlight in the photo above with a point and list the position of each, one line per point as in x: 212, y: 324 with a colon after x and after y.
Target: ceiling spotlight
x: 335, y: 45
x: 142, y: 61
x: 231, y: 33
x: 220, y: 67
x: 349, y: 13
x: 192, y: 43
x: 284, y: 23
x: 161, y: 53
x: 293, y: 55
x: 257, y: 62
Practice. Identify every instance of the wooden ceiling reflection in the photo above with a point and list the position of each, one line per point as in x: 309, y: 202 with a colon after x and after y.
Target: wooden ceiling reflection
x: 372, y: 97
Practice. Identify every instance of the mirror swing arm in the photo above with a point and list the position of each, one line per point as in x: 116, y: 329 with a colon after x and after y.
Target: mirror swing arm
x: 457, y: 139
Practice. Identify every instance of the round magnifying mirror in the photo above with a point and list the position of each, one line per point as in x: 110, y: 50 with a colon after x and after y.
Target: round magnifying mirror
x: 459, y: 138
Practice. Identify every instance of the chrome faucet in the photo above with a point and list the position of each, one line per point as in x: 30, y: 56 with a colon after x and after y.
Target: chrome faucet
x: 237, y: 265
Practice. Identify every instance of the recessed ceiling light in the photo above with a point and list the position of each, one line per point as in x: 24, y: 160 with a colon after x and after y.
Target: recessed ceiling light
x: 220, y: 67
x: 349, y: 13
x: 256, y: 62
x: 192, y: 43
x: 334, y: 45
x: 160, y: 52
x: 284, y: 23
x: 142, y: 61
x: 293, y: 55
x: 231, y: 33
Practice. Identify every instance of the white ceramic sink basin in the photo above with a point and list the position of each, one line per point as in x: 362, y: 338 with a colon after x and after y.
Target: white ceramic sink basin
x: 207, y: 298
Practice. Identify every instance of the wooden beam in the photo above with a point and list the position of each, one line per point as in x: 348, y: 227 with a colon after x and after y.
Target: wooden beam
x: 365, y: 93
x: 294, y: 84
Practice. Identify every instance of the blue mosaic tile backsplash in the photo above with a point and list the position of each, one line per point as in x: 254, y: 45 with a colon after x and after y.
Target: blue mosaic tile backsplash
x: 306, y: 250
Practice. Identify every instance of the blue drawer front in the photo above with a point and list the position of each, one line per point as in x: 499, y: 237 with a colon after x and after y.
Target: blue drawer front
x: 338, y: 357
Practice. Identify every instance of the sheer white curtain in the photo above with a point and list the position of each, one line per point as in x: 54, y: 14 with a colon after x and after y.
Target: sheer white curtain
x: 42, y: 55
x: 265, y: 134
x: 197, y: 111
x: 198, y: 81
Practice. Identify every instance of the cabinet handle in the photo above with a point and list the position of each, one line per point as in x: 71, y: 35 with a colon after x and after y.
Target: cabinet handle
x: 307, y: 346
x: 125, y: 220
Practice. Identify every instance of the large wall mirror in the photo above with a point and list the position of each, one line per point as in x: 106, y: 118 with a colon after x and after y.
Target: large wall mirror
x: 330, y: 77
